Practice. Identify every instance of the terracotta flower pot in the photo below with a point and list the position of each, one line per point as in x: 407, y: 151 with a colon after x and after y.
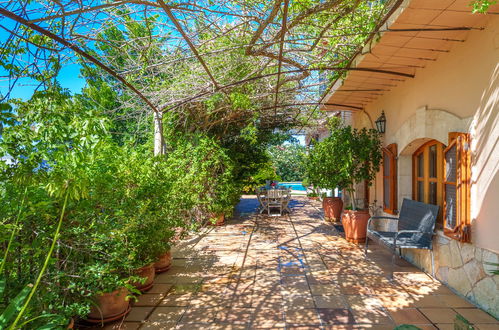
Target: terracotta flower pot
x: 355, y: 225
x: 109, y: 307
x: 148, y: 272
x: 220, y: 220
x: 164, y: 262
x: 314, y: 198
x: 332, y: 208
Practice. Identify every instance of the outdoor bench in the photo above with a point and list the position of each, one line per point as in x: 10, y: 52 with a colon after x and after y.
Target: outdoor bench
x: 415, y: 224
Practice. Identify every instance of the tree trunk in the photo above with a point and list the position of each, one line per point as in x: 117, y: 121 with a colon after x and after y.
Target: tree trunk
x: 352, y: 197
x: 159, y: 141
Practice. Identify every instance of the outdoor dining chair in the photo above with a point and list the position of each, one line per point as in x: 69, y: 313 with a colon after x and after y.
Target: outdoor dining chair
x: 261, y: 195
x: 275, y: 201
x: 286, y: 198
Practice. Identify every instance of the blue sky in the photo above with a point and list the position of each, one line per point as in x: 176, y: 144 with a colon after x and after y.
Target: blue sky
x: 69, y: 77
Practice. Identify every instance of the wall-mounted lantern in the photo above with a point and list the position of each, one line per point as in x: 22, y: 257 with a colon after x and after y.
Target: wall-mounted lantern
x: 381, y: 123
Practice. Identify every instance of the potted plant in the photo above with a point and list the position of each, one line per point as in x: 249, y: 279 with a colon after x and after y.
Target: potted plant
x: 354, y: 158
x: 311, y: 192
x: 322, y: 170
x: 216, y: 219
x: 312, y: 195
x: 148, y: 239
x: 223, y: 195
x: 164, y: 262
x: 110, y: 304
x: 105, y: 271
x: 164, y: 259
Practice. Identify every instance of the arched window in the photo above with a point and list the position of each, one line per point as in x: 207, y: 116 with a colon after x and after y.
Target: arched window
x: 428, y: 175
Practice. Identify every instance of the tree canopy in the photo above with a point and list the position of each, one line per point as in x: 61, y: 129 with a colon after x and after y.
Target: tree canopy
x: 289, y: 161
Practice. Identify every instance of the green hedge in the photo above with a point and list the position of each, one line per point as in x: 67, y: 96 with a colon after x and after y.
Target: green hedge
x: 123, y: 206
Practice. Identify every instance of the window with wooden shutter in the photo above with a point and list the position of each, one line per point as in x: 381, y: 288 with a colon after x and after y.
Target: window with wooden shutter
x: 428, y: 173
x: 390, y: 179
x: 457, y: 173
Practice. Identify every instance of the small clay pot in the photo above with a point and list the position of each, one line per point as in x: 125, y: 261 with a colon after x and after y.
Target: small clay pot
x: 355, y: 225
x: 164, y: 263
x: 332, y: 208
x: 220, y: 220
x: 314, y: 198
x: 148, y: 272
x: 109, y: 307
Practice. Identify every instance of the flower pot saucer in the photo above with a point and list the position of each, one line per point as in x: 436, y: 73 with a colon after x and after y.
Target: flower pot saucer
x: 162, y: 270
x: 146, y: 287
x: 111, y: 318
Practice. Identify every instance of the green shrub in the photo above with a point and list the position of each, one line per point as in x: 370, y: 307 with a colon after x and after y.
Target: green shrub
x: 347, y: 157
x: 124, y: 206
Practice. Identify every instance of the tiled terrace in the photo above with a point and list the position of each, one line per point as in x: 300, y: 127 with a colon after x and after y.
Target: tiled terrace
x: 292, y: 271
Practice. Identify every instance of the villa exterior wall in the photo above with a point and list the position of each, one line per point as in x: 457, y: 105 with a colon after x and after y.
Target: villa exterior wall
x: 457, y: 93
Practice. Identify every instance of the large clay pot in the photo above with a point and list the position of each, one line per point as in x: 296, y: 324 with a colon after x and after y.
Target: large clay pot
x: 148, y: 272
x: 332, y: 208
x: 109, y: 307
x: 355, y: 225
x: 220, y: 220
x: 164, y: 263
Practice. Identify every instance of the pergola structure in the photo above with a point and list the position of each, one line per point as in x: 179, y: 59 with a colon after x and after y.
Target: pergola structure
x: 294, y: 49
x: 289, y: 53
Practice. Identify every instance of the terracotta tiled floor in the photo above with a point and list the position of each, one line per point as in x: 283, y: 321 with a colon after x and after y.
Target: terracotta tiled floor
x: 291, y: 272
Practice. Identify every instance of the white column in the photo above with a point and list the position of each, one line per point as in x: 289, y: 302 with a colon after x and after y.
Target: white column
x: 159, y: 142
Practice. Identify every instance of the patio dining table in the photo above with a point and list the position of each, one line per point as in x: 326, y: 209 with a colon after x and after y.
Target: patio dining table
x: 274, y: 198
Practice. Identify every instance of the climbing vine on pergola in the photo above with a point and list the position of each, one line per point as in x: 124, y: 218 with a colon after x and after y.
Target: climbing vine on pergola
x: 212, y: 63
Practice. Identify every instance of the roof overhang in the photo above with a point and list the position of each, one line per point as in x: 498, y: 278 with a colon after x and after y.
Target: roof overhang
x: 416, y: 34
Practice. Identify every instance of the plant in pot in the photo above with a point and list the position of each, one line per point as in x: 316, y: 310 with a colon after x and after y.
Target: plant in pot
x: 164, y: 259
x: 356, y: 158
x: 108, y: 290
x: 322, y: 170
x: 222, y: 205
x: 222, y: 191
x: 146, y: 240
x: 103, y: 271
x: 312, y: 192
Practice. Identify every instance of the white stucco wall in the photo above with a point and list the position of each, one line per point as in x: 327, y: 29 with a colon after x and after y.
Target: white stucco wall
x: 458, y: 92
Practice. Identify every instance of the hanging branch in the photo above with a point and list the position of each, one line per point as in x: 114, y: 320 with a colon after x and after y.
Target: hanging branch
x: 281, y: 47
x: 77, y: 50
x: 188, y: 40
x: 373, y: 70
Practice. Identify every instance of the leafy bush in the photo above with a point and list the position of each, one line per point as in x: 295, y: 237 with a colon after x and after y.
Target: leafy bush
x: 119, y: 206
x: 207, y: 185
x: 289, y: 161
x: 345, y: 158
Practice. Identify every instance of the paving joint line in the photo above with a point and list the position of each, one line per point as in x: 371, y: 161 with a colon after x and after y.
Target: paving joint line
x: 308, y: 283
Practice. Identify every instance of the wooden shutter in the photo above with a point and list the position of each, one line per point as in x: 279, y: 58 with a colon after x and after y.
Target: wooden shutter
x: 390, y: 179
x: 457, y: 172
